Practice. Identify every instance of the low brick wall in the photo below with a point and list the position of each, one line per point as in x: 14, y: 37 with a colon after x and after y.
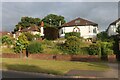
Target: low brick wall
x: 10, y: 55
x: 41, y: 56
x: 84, y: 58
x: 111, y: 58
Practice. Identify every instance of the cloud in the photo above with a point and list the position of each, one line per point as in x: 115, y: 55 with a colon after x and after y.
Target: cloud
x: 102, y: 13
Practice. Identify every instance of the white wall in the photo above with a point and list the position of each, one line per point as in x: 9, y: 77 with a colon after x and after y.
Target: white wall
x: 86, y: 31
x: 112, y: 29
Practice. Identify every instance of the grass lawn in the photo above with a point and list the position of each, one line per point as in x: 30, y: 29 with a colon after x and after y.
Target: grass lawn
x: 50, y: 66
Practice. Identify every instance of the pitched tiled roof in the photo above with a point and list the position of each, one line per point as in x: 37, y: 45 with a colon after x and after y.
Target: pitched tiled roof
x: 79, y: 22
x: 4, y: 33
x: 113, y: 23
x: 31, y: 28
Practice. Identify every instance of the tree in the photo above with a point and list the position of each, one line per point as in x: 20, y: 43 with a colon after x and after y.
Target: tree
x: 21, y: 43
x: 118, y: 29
x: 103, y: 36
x: 27, y: 22
x: 53, y: 20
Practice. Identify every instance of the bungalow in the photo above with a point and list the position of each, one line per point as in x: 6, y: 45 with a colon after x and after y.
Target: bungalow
x: 33, y: 29
x: 111, y: 30
x: 86, y: 28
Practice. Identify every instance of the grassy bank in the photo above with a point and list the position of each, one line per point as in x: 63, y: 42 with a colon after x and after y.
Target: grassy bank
x: 50, y: 66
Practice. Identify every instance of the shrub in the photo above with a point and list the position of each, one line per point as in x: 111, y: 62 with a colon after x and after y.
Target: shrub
x: 105, y: 49
x: 72, y: 45
x: 84, y: 51
x: 94, y: 49
x: 35, y: 47
x: 77, y: 34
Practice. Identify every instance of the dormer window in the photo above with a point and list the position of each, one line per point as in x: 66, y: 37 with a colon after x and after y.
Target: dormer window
x: 77, y: 21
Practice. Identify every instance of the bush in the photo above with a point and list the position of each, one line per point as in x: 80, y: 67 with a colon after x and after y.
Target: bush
x: 77, y: 34
x: 72, y: 45
x: 84, y: 50
x: 105, y: 49
x: 94, y: 49
x: 35, y: 47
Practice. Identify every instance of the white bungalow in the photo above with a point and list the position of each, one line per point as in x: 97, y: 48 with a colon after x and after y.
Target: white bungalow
x: 86, y: 28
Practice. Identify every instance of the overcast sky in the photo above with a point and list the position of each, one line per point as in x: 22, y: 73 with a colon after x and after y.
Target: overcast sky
x: 102, y: 13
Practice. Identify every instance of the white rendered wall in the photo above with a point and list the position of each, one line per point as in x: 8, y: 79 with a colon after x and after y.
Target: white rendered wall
x: 85, y: 31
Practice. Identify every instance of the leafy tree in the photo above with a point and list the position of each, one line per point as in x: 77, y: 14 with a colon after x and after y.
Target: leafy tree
x: 118, y: 29
x: 103, y: 36
x: 21, y: 43
x: 53, y: 20
x: 7, y: 40
x: 26, y: 22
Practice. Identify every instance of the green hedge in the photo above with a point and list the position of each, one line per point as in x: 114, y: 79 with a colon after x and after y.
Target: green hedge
x: 35, y: 47
x: 77, y: 34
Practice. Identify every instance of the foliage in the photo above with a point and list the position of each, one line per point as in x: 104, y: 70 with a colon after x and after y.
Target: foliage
x: 72, y: 45
x: 105, y: 49
x: 94, y: 49
x: 29, y: 36
x: 53, y: 20
x: 27, y: 22
x: 51, y: 33
x: 37, y: 36
x: 103, y: 36
x: 21, y: 43
x: 35, y: 47
x: 7, y: 40
x: 77, y: 34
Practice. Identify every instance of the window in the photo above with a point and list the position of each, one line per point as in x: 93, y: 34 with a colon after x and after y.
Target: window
x: 62, y: 31
x: 77, y: 21
x: 94, y: 30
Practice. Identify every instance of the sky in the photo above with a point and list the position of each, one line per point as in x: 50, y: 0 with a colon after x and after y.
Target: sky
x: 102, y: 13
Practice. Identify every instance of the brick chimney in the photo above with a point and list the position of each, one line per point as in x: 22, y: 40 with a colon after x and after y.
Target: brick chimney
x: 41, y: 29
